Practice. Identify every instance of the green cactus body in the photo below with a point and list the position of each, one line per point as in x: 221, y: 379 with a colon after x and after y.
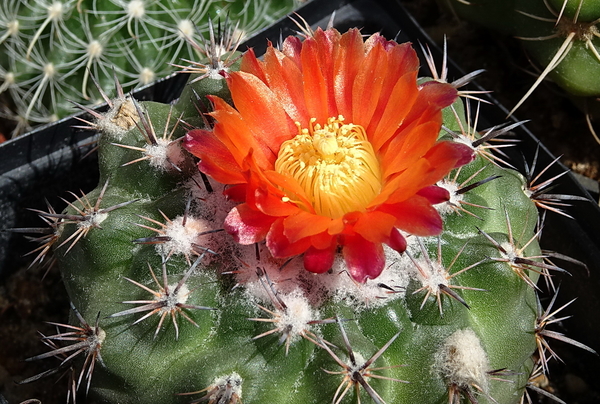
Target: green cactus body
x: 50, y: 49
x: 584, y: 11
x: 184, y: 308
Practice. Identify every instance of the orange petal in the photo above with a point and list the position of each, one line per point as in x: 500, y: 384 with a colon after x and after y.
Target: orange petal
x: 304, y: 224
x: 327, y: 41
x: 416, y: 216
x: 291, y: 188
x: 398, y: 93
x: 400, y: 102
x: 235, y: 134
x: 403, y: 185
x: 261, y: 111
x: 347, y: 58
x: 336, y: 226
x: 375, y: 226
x: 368, y: 85
x: 271, y: 203
x: 443, y: 157
x: 279, y: 245
x: 433, y: 96
x: 323, y: 240
x: 315, y: 86
x: 409, y: 146
x: 285, y: 79
x: 250, y: 64
x: 216, y: 159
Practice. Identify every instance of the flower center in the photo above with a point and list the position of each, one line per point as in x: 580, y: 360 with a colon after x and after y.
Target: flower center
x: 335, y: 165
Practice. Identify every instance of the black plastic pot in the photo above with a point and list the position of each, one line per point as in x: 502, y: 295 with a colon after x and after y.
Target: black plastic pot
x: 47, y: 162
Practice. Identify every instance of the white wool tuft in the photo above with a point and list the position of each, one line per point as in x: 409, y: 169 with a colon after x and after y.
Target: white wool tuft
x: 451, y: 205
x: 182, y: 237
x: 165, y: 154
x: 462, y: 361
x: 121, y: 118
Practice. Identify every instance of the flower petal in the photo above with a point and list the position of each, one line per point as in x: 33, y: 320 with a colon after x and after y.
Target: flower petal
x: 284, y: 77
x: 232, y: 130
x: 216, y: 159
x: 304, y: 224
x: 347, y: 59
x: 255, y: 100
x: 432, y: 97
x: 315, y: 85
x: 397, y: 241
x: 409, y: 146
x: 365, y: 260
x: 319, y: 260
x: 416, y: 216
x: 435, y: 194
x: 271, y: 203
x: 247, y: 226
x: 375, y: 226
x: 368, y: 85
x: 251, y: 64
x: 279, y: 245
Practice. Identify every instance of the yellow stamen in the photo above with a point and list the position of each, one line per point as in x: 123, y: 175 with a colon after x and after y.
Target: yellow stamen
x: 334, y: 164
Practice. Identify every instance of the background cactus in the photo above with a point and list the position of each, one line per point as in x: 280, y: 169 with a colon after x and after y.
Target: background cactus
x: 226, y: 321
x: 560, y: 37
x: 49, y: 50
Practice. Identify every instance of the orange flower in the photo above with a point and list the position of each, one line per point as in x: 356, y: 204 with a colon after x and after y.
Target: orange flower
x: 331, y: 144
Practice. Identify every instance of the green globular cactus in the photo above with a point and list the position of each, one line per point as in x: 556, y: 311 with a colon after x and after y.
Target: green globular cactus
x: 184, y: 290
x: 50, y: 49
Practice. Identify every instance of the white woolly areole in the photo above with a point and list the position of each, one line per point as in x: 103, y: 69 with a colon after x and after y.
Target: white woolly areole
x: 146, y: 76
x: 136, y: 9
x: 184, y: 236
x: 93, y: 220
x: 462, y: 361
x: 466, y: 140
x: 455, y: 198
x: 298, y: 313
x: 185, y: 28
x: 120, y: 119
x: 293, y: 319
x: 165, y: 154
x: 431, y: 275
x: 173, y: 299
x: 511, y: 252
x: 225, y: 389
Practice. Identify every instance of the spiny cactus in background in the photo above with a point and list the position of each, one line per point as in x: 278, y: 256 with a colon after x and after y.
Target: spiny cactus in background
x: 562, y: 38
x: 349, y: 237
x: 49, y: 49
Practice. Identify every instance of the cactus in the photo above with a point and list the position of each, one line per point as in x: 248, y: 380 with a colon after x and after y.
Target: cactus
x: 332, y: 244
x: 561, y: 37
x: 49, y: 49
